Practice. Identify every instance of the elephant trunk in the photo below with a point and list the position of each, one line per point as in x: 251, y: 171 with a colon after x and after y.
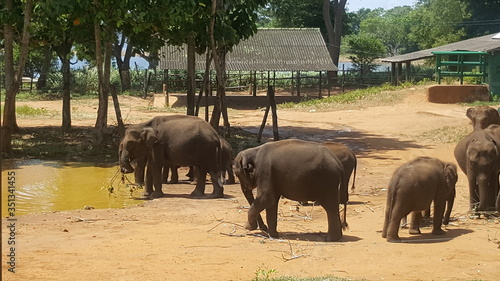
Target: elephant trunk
x: 449, y: 207
x: 125, y: 166
x: 487, y: 194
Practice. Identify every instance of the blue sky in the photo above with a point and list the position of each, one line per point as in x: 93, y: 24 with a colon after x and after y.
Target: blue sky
x: 354, y: 5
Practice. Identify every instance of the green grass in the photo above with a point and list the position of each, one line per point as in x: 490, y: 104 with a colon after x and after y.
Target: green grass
x: 448, y: 134
x: 361, y: 97
x: 28, y: 111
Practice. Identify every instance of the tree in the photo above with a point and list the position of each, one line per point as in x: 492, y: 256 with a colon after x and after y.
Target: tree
x: 392, y: 28
x: 13, y: 78
x: 230, y: 22
x: 365, y: 49
x: 436, y: 23
x: 484, y: 17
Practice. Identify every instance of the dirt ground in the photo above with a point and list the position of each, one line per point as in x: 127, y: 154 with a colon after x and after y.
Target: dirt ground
x: 178, y: 238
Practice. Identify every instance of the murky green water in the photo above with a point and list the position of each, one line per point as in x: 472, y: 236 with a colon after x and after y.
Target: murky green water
x: 45, y: 186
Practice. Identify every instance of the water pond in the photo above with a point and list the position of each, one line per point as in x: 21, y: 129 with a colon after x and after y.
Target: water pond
x: 47, y: 186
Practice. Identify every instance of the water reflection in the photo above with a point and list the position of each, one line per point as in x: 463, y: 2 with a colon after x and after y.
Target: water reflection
x: 45, y: 186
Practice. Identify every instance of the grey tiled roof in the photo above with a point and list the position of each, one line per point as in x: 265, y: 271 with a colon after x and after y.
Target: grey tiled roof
x: 479, y: 44
x: 270, y: 49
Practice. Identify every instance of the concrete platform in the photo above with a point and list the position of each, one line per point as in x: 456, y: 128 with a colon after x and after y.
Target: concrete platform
x: 457, y: 93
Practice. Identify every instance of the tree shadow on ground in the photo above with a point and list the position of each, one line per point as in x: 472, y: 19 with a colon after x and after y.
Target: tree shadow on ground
x: 364, y: 144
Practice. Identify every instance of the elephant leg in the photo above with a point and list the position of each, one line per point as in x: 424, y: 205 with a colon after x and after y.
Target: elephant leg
x: 334, y: 224
x: 438, y: 217
x: 139, y: 171
x: 165, y: 174
x: 157, y: 180
x: 272, y: 220
x: 149, y: 183
x: 199, y: 190
x: 230, y: 174
x: 218, y: 191
x: 416, y: 217
x: 175, y: 174
x: 395, y: 216
x: 191, y: 174
x: 259, y: 204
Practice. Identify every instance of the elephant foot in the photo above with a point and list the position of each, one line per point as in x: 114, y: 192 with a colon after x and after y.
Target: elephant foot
x: 250, y: 226
x: 173, y: 181
x: 230, y: 182
x: 414, y: 231
x: 333, y: 237
x: 157, y: 194
x: 438, y: 231
x: 393, y: 239
x: 196, y: 194
x: 146, y: 194
x: 216, y: 195
x: 273, y: 234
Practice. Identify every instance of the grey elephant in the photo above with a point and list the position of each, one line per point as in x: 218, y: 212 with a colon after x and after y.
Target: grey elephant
x: 178, y: 140
x: 349, y: 161
x: 412, y: 188
x: 482, y: 117
x: 478, y: 156
x: 295, y: 169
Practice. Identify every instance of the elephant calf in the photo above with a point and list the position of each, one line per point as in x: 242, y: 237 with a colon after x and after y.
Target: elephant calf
x: 295, y: 169
x: 412, y: 188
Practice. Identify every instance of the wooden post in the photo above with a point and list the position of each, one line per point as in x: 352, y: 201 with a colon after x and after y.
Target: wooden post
x: 408, y: 71
x: 394, y: 80
x: 298, y: 83
x: 293, y: 84
x: 272, y: 103
x: 319, y: 95
x: 165, y: 88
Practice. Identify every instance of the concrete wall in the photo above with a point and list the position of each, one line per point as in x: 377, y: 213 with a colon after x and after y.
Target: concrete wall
x: 457, y: 93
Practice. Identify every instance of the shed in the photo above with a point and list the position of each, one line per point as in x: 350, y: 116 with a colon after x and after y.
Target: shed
x: 489, y: 44
x: 270, y: 49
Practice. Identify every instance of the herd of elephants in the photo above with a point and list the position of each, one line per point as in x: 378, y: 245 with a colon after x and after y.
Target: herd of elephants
x: 312, y: 171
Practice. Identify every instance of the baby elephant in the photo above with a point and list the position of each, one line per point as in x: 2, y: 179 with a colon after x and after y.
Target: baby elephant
x: 412, y: 189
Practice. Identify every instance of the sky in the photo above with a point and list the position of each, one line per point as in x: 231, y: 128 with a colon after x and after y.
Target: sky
x: 354, y: 5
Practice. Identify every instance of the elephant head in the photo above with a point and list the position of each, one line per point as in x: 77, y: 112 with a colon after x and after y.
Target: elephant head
x: 482, y: 117
x: 482, y: 169
x: 136, y: 144
x: 244, y: 168
x: 451, y: 177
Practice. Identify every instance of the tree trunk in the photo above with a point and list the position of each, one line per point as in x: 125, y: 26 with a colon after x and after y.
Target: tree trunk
x: 63, y: 51
x: 334, y: 32
x: 219, y: 57
x: 44, y: 73
x: 118, y: 112
x: 123, y: 64
x: 14, y: 80
x: 102, y: 111
x: 191, y: 73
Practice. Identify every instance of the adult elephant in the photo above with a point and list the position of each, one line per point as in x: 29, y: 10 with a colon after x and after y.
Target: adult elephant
x: 482, y: 117
x: 348, y: 159
x: 412, y: 188
x: 478, y: 156
x: 177, y: 140
x: 295, y: 169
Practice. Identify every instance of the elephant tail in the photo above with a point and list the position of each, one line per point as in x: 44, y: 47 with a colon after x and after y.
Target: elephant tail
x: 220, y: 168
x: 353, y: 187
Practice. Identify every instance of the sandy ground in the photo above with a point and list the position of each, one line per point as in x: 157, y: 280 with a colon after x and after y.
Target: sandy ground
x: 178, y: 238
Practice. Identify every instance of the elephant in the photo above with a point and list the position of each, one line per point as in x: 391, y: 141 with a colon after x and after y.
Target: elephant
x: 349, y: 162
x: 482, y: 117
x: 178, y: 140
x: 412, y: 188
x: 295, y: 169
x: 226, y: 164
x: 478, y: 156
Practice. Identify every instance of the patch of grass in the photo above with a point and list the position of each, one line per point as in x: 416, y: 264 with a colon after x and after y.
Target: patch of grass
x: 28, y: 111
x: 241, y: 140
x: 358, y: 98
x: 448, y: 134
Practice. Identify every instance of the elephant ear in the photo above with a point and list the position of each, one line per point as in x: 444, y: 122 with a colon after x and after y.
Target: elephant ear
x: 246, y: 164
x: 149, y: 137
x: 450, y: 174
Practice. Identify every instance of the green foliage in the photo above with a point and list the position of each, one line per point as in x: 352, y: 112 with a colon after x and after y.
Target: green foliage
x: 28, y: 111
x: 365, y: 48
x: 436, y: 23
